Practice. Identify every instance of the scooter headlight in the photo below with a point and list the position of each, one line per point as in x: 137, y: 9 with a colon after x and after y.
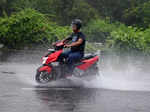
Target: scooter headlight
x: 44, y: 60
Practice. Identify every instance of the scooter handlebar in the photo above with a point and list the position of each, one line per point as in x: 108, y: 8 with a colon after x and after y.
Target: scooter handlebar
x: 59, y: 43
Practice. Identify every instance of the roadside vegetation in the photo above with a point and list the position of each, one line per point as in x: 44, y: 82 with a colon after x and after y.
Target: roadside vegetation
x: 120, y: 25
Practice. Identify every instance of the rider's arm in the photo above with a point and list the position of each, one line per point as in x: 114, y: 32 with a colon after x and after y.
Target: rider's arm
x: 67, y: 39
x: 80, y: 40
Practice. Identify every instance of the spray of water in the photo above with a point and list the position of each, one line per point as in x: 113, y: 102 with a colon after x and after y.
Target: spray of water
x: 125, y: 73
x: 121, y: 73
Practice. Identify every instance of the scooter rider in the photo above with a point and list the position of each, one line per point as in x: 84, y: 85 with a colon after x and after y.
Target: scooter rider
x: 77, y: 45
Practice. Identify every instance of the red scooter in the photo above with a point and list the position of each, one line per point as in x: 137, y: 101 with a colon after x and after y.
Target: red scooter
x: 53, y: 69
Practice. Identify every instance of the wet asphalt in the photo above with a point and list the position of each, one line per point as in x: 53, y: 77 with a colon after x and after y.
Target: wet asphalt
x: 20, y: 93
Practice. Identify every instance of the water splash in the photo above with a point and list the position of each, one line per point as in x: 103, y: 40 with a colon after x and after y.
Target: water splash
x: 128, y: 73
x: 119, y: 73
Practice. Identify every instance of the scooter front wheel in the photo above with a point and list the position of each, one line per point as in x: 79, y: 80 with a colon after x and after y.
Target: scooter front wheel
x: 43, y: 77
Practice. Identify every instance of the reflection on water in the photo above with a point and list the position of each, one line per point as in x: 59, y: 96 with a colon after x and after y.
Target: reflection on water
x: 92, y: 100
x: 73, y: 100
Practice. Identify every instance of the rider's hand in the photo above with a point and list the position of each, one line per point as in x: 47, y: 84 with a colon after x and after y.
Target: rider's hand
x: 53, y: 44
x: 67, y: 45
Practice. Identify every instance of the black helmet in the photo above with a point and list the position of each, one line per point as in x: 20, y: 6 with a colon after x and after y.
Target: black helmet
x: 77, y: 22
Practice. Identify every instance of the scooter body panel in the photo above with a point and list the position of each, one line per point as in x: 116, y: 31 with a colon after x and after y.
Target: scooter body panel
x: 45, y: 68
x: 53, y: 57
x: 88, y: 63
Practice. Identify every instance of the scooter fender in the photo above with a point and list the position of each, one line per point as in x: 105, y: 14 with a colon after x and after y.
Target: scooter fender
x: 45, y: 68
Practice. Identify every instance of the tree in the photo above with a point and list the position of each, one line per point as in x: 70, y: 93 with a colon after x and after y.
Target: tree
x: 60, y: 11
x: 5, y: 7
x: 138, y: 16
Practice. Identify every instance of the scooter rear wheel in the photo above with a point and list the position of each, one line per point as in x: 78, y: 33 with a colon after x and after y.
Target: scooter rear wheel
x: 43, y: 77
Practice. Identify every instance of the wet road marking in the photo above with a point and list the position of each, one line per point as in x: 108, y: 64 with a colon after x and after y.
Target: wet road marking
x: 44, y: 89
x: 7, y: 72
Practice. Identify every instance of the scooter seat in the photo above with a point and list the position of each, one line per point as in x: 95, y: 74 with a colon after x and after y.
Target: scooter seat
x: 88, y: 56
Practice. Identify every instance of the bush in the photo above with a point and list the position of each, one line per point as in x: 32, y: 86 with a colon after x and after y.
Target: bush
x: 83, y: 11
x: 118, y: 36
x: 128, y: 38
x: 27, y: 27
x: 131, y: 39
x: 98, y: 30
x: 138, y: 16
x: 61, y: 11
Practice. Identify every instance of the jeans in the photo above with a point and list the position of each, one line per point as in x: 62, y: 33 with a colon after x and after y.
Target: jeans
x: 71, y: 58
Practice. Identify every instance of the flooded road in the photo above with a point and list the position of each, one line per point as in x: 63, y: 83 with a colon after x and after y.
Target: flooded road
x: 123, y: 86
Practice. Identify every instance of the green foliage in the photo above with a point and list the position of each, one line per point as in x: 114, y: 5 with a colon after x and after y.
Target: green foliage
x: 128, y: 38
x: 61, y: 11
x: 98, y: 30
x: 147, y: 39
x: 29, y: 26
x: 131, y: 39
x: 139, y: 16
x: 82, y: 10
x: 111, y: 8
x: 33, y: 21
x: 67, y: 10
x: 115, y: 9
x: 5, y: 7
x: 118, y: 36
x: 43, y: 6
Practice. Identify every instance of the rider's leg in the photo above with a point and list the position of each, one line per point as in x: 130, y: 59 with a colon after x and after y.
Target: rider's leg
x: 73, y: 57
x: 63, y: 67
x: 65, y: 55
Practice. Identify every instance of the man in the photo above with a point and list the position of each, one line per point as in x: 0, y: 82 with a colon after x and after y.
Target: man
x: 77, y: 45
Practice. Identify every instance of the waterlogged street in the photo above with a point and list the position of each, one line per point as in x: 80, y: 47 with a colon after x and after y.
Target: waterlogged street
x: 123, y: 86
